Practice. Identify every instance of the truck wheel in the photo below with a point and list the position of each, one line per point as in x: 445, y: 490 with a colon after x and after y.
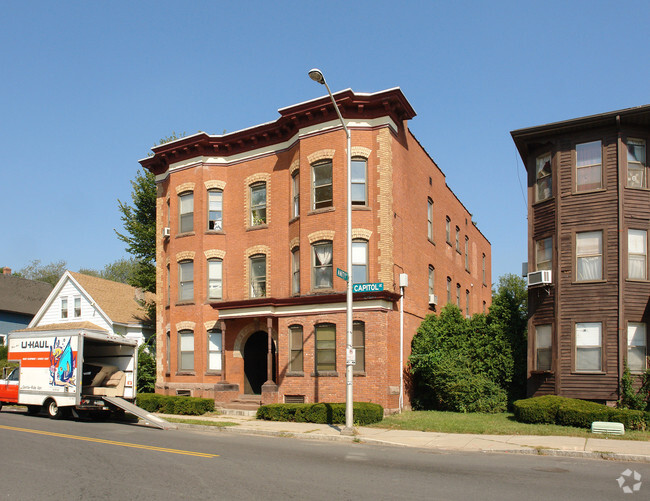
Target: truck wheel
x: 53, y: 410
x: 33, y: 409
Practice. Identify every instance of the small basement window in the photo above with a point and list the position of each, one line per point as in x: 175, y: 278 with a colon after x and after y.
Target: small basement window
x: 184, y: 393
x: 294, y: 399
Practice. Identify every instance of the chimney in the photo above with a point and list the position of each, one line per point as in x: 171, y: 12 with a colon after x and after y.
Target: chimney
x: 6, y: 270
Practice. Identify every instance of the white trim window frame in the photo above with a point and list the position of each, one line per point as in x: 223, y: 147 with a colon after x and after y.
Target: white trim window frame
x: 589, y: 166
x: 359, y: 261
x: 64, y: 307
x: 257, y: 265
x: 588, y: 346
x: 215, y: 278
x: 295, y: 188
x: 322, y: 185
x: 637, y: 254
x: 322, y: 276
x: 589, y: 256
x: 637, y: 175
x: 186, y: 212
x: 215, y: 346
x: 186, y: 280
x: 358, y: 181
x: 637, y: 347
x: 295, y: 270
x: 215, y: 210
x: 186, y: 351
x: 258, y: 204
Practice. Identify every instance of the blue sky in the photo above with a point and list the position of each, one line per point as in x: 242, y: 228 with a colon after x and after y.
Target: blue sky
x: 89, y: 87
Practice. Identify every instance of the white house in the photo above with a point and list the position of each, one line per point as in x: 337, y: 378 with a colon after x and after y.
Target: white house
x: 111, y: 306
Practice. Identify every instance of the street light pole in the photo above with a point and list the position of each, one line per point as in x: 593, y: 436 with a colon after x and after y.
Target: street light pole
x: 317, y: 76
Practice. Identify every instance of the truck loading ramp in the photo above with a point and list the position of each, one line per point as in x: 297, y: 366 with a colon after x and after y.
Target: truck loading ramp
x: 141, y: 413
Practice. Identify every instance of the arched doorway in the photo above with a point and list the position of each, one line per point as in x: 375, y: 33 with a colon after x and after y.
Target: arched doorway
x: 255, y: 357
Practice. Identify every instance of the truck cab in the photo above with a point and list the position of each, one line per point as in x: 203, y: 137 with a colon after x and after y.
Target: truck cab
x: 9, y: 387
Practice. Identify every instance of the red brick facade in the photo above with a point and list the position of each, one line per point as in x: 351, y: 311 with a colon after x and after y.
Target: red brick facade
x: 401, y: 180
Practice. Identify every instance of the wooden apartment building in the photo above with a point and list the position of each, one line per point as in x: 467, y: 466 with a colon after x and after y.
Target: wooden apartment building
x: 588, y: 223
x: 251, y: 229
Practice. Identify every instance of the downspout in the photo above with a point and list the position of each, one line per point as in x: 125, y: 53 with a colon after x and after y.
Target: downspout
x: 621, y: 180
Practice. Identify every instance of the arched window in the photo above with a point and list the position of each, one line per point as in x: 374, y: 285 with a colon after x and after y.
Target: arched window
x: 258, y: 204
x: 215, y: 210
x: 359, y: 261
x: 258, y: 275
x: 186, y: 211
x: 295, y: 270
x: 325, y: 347
x: 359, y: 345
x: 322, y: 277
x: 214, y: 350
x: 215, y: 279
x: 186, y: 280
x: 185, y: 351
x: 358, y: 181
x: 322, y: 191
x: 295, y: 348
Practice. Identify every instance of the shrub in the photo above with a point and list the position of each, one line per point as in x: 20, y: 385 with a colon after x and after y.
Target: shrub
x: 552, y: 409
x: 167, y: 404
x: 321, y: 413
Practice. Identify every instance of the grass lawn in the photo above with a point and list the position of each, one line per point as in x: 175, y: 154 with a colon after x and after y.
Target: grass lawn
x: 202, y: 422
x: 486, y: 424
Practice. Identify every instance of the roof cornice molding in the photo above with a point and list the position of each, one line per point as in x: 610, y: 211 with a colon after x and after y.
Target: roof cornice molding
x: 391, y: 103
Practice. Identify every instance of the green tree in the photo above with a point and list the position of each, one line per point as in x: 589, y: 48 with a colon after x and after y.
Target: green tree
x: 50, y: 273
x: 146, y: 369
x: 509, y: 316
x: 122, y: 270
x: 139, y: 236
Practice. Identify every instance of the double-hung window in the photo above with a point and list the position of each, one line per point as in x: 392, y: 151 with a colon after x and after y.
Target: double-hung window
x: 214, y: 350
x: 186, y: 211
x: 215, y: 279
x: 588, y: 341
x: 359, y: 261
x: 458, y: 295
x: 359, y: 346
x: 258, y: 204
x: 258, y: 275
x: 430, y: 219
x: 185, y: 351
x: 544, y: 254
x: 186, y: 281
x: 64, y: 307
x: 467, y: 301
x: 295, y: 185
x: 448, y: 230
x: 589, y: 256
x: 322, y: 194
x: 77, y: 307
x: 322, y: 265
x: 448, y: 290
x: 637, y: 343
x: 358, y: 182
x: 432, y: 280
x: 295, y: 270
x: 467, y: 253
x: 589, y: 166
x: 543, y: 356
x: 544, y: 178
x: 457, y: 239
x: 636, y: 164
x: 325, y: 347
x: 295, y: 348
x: 215, y: 210
x: 637, y: 253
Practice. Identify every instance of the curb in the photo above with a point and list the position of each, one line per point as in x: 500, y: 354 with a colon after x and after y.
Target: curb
x: 531, y: 451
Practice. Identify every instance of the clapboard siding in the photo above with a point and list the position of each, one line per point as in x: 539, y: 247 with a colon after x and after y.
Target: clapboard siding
x: 89, y: 312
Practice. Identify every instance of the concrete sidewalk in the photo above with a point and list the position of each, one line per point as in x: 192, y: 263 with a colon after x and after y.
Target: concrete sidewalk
x: 597, y: 447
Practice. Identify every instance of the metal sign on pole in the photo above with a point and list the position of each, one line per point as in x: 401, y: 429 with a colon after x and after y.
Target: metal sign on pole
x: 369, y: 287
x: 351, y: 356
x: 341, y: 274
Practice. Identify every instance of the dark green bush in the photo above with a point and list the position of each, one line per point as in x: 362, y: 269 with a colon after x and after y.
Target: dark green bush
x: 552, y: 409
x: 322, y: 413
x: 167, y: 404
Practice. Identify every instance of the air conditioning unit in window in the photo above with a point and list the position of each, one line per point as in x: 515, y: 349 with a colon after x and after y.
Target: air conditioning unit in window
x: 166, y: 232
x: 540, y: 277
x: 433, y: 299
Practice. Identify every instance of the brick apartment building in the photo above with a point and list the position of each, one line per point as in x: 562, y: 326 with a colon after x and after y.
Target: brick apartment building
x: 251, y: 228
x: 588, y: 223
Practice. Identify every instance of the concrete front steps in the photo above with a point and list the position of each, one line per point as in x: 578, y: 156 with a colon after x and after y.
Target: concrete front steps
x: 244, y: 405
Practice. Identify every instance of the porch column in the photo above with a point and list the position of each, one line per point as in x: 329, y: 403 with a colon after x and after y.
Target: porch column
x: 222, y: 328
x: 269, y: 354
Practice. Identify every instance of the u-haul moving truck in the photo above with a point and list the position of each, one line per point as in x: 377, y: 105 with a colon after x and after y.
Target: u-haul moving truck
x: 73, y: 369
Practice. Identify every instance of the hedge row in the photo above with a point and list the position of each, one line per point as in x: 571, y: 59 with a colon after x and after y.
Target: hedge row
x: 552, y: 409
x: 323, y: 413
x: 165, y: 404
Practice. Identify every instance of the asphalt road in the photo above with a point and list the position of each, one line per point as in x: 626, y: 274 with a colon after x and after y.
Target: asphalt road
x: 42, y: 458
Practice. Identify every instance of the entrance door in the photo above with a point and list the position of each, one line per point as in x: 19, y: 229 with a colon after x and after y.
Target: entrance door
x: 255, y: 354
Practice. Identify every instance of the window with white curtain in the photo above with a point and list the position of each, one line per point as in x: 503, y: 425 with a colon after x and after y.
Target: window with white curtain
x: 186, y: 212
x: 215, y: 210
x: 258, y: 275
x: 185, y: 350
x: 322, y: 277
x: 637, y: 251
x: 214, y: 350
x: 544, y: 253
x: 637, y: 343
x: 215, y: 278
x: 588, y: 344
x: 589, y: 255
x: 359, y: 261
x: 636, y: 164
x: 543, y: 357
x: 589, y: 166
x: 544, y: 179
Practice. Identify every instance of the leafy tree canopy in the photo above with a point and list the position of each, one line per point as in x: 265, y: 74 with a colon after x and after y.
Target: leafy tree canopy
x: 50, y: 273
